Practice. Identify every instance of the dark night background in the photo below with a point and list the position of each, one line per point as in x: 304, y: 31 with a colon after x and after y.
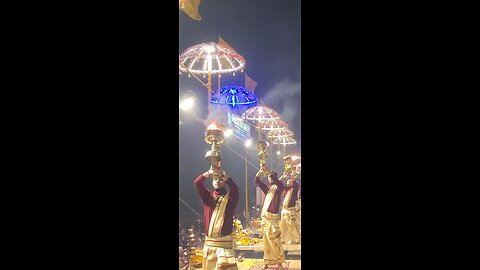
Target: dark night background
x: 268, y: 35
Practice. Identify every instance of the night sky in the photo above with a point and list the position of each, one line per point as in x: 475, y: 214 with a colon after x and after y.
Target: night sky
x: 267, y: 34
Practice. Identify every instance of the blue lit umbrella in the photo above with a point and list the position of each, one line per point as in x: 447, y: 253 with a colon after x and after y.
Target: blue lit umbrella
x: 235, y: 97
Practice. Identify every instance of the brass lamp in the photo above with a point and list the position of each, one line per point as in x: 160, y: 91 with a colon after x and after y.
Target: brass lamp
x: 214, y: 136
x: 289, y: 167
x: 262, y: 153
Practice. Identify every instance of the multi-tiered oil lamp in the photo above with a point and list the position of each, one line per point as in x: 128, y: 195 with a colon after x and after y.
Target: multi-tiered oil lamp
x: 214, y: 136
x: 262, y: 154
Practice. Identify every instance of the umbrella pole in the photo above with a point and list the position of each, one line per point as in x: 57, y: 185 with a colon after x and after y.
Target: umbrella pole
x: 209, y: 86
x: 271, y: 153
x: 279, y: 160
x: 246, y: 188
x: 218, y: 88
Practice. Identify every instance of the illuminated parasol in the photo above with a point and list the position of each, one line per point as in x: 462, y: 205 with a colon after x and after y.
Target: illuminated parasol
x: 210, y: 58
x: 236, y: 98
x: 284, y: 141
x: 272, y: 124
x: 279, y: 133
x: 260, y: 113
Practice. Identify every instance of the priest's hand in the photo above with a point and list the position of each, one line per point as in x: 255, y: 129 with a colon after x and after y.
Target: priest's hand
x: 268, y: 171
x: 225, y: 176
x: 208, y: 173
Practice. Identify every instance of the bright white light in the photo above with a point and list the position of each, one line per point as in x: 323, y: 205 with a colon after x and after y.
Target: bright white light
x: 209, y: 49
x: 187, y: 104
x: 278, y: 153
x: 248, y: 142
x: 228, y: 132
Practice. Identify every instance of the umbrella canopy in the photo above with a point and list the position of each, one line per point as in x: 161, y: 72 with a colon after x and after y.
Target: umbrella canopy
x: 285, y: 141
x: 260, y: 113
x: 272, y: 124
x: 279, y: 133
x: 210, y: 58
x: 235, y: 96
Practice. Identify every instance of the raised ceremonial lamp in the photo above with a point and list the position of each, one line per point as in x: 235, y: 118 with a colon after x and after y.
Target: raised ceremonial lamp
x: 289, y: 168
x: 262, y: 153
x: 214, y: 136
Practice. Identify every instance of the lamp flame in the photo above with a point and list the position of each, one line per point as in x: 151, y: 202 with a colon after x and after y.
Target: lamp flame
x: 212, y: 126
